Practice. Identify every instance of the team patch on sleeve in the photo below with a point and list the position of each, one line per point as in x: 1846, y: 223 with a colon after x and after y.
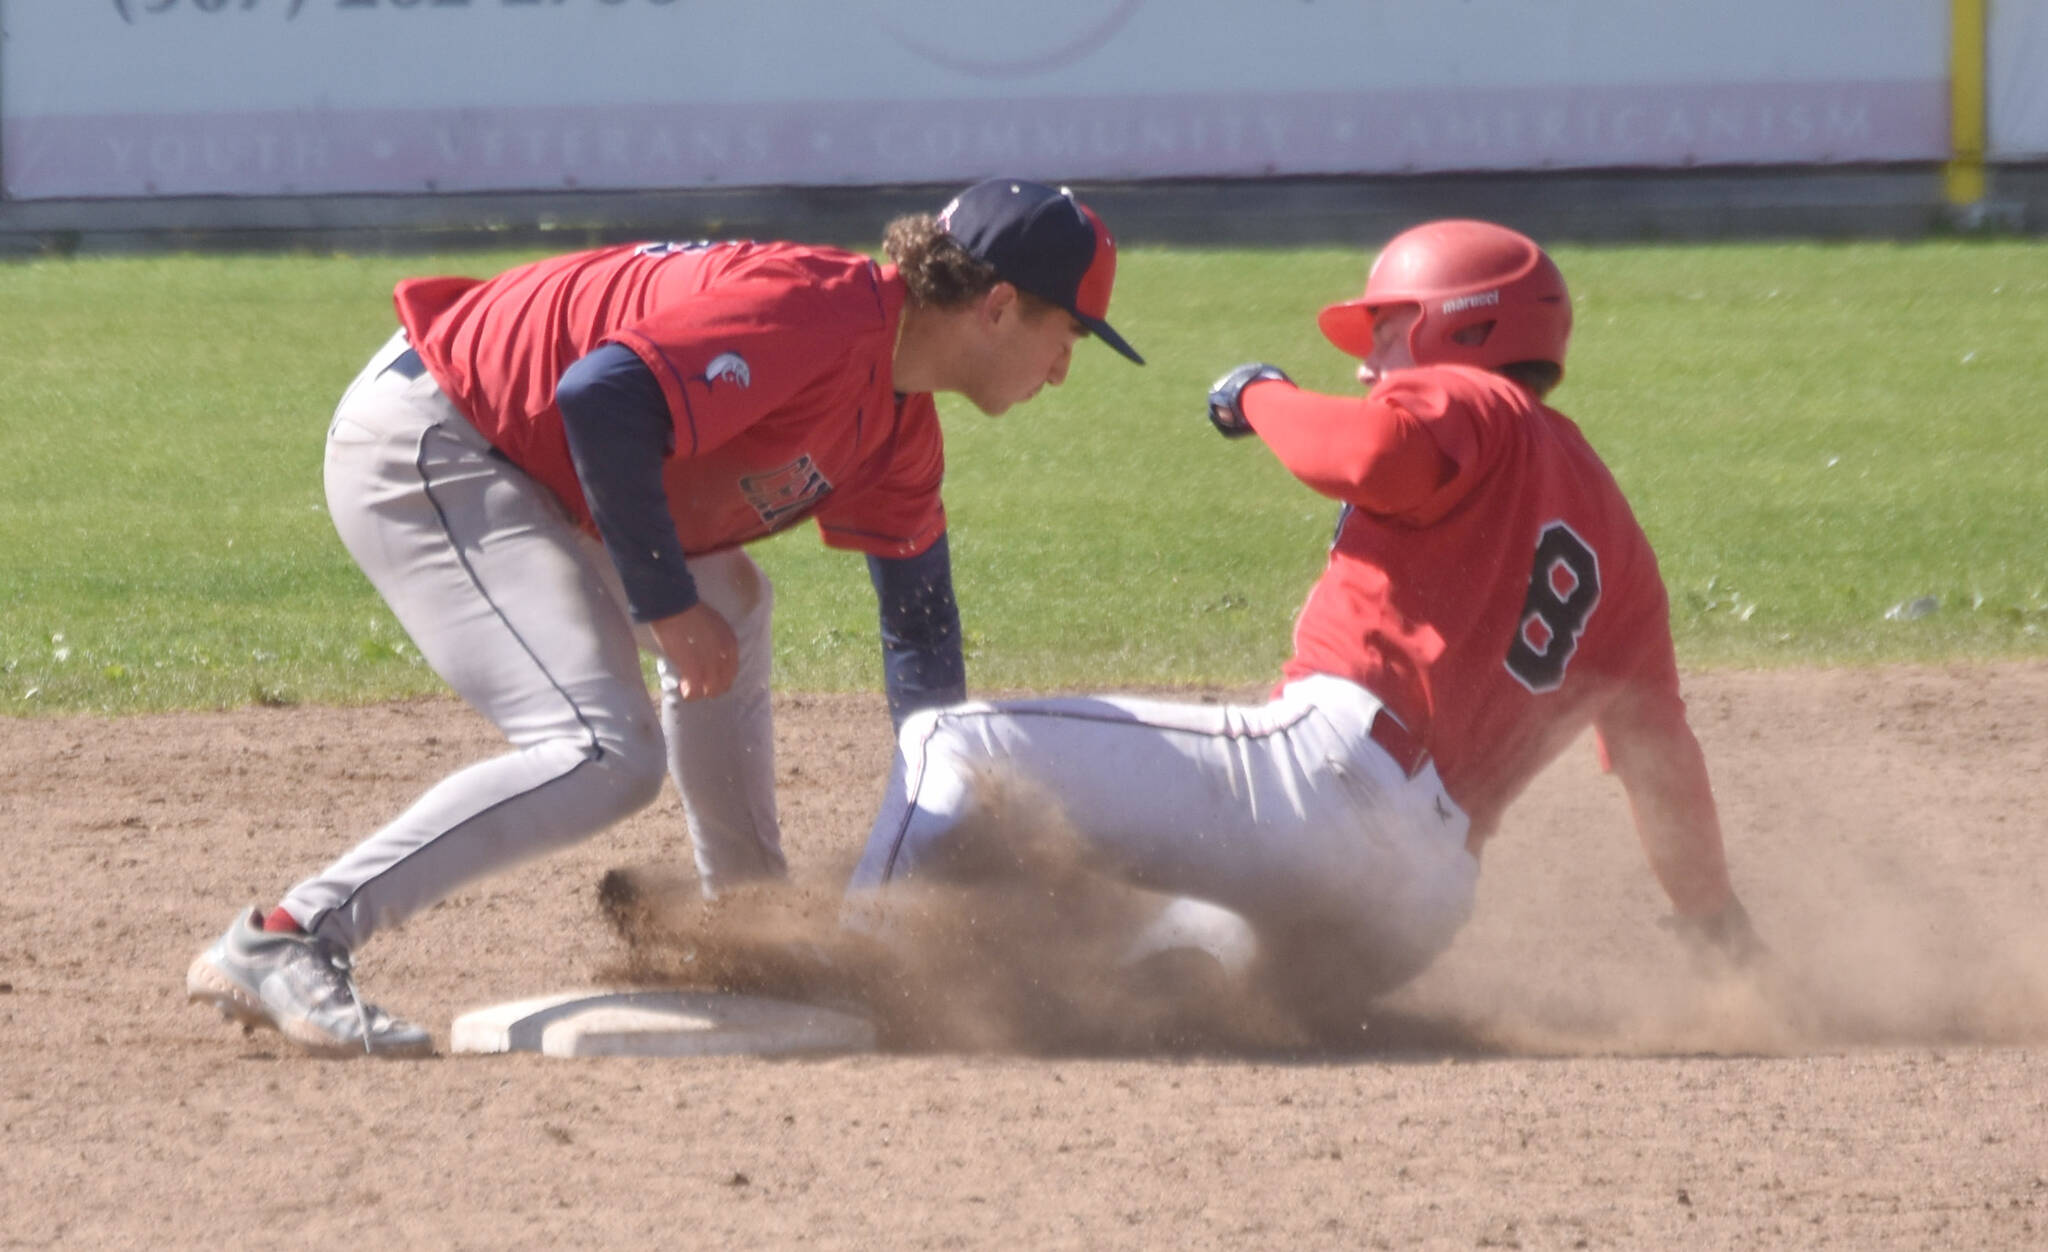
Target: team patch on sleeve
x: 729, y: 367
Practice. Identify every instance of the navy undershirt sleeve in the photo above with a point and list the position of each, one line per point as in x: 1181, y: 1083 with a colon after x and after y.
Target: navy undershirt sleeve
x: 619, y: 432
x: 922, y: 663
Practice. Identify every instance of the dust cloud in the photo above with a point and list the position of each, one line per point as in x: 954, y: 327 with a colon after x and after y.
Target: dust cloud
x: 1021, y: 955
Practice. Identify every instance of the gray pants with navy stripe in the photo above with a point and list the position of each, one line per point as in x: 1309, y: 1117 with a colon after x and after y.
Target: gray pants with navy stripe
x: 522, y: 613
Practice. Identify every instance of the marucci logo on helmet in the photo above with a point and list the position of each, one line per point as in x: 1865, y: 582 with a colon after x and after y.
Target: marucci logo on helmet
x: 1460, y: 303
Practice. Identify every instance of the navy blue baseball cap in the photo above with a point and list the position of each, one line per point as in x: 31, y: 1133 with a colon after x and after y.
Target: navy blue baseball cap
x: 1041, y: 240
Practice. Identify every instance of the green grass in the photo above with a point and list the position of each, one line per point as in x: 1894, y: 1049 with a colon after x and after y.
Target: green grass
x: 1815, y: 434
x: 1810, y: 433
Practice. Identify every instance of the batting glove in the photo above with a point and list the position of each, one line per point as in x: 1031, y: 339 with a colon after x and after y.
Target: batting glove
x: 1226, y: 397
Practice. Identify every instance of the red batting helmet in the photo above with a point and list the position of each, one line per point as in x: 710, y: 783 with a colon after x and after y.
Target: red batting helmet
x: 1489, y: 297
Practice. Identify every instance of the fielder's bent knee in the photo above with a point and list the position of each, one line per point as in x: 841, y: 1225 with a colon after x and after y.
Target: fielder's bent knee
x: 635, y: 760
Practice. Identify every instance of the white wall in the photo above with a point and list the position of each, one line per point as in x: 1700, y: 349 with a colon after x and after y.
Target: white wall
x: 2016, y: 79
x: 189, y: 97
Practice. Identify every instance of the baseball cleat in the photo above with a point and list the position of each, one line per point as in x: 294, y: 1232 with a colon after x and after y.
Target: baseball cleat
x: 300, y: 987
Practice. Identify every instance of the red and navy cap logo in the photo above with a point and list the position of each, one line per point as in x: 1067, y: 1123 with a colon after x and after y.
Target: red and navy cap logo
x: 1041, y: 240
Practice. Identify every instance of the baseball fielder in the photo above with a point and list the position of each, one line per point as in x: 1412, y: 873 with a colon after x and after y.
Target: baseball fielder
x: 547, y: 471
x: 1488, y: 596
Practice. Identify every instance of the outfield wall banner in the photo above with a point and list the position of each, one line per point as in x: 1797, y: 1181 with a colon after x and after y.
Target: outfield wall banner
x: 123, y: 98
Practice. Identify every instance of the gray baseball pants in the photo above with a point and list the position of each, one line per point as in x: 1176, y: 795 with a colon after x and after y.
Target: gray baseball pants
x: 521, y: 612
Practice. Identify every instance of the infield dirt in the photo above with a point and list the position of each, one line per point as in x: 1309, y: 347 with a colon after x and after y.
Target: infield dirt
x: 1559, y: 1080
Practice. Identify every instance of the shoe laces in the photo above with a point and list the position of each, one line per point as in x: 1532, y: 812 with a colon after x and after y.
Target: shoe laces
x: 337, y: 960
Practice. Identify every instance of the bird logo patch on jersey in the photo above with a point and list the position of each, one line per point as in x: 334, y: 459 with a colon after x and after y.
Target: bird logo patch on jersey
x: 781, y: 496
x: 728, y: 367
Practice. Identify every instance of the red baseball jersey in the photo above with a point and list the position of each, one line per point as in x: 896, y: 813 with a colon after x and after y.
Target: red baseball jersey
x: 774, y: 358
x: 1489, y: 582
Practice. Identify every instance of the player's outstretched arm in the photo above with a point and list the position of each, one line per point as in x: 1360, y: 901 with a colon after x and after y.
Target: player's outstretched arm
x: 923, y: 665
x: 1226, y: 397
x: 1659, y: 761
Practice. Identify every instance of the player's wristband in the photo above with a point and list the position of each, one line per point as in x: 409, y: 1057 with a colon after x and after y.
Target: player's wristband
x: 1226, y: 397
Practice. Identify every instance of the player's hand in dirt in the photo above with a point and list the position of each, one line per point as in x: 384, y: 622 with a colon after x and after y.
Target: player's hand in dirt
x: 1722, y: 943
x: 703, y: 654
x: 1226, y: 397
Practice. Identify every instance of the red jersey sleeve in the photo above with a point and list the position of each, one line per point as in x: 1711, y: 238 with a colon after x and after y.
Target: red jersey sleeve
x: 898, y: 513
x: 1391, y: 452
x: 420, y: 300
x: 730, y: 355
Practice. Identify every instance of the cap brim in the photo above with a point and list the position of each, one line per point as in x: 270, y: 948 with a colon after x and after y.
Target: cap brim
x: 1348, y: 325
x: 1101, y: 330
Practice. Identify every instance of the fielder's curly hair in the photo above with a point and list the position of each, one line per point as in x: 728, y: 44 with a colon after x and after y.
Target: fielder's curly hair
x: 937, y: 271
x: 935, y: 268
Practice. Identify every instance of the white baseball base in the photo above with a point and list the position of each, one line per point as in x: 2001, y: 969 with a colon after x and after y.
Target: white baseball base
x: 660, y: 1023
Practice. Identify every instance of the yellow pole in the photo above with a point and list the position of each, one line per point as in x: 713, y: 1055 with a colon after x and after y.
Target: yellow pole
x: 1964, y: 176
